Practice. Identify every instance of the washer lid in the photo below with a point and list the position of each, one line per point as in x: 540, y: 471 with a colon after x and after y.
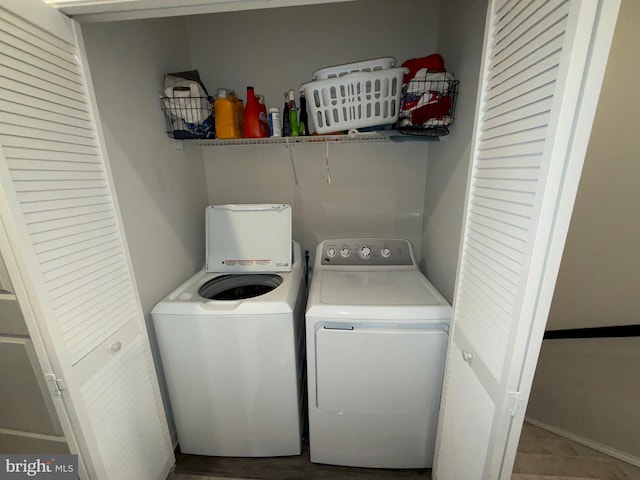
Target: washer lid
x: 248, y: 238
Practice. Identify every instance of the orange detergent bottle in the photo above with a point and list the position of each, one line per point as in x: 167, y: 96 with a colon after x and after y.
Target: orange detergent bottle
x: 226, y: 117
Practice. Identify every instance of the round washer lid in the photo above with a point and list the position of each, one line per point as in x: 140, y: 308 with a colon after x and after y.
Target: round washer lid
x: 239, y: 287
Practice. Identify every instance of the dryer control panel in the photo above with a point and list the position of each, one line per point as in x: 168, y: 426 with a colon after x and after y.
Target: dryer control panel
x: 366, y: 251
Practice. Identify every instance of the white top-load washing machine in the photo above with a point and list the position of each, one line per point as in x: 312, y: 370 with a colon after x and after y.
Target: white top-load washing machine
x: 377, y: 334
x: 231, y: 338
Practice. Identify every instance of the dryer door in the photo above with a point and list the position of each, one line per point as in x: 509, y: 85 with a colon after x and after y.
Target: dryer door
x: 380, y: 370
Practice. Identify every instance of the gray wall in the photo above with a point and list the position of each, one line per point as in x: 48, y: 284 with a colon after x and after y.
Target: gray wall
x: 591, y: 388
x: 343, y: 190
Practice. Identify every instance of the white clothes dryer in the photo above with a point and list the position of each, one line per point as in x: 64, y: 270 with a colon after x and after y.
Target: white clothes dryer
x: 231, y: 338
x: 377, y: 334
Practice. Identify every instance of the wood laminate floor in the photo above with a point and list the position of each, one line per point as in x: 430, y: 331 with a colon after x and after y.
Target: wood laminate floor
x: 279, y: 468
x: 542, y: 455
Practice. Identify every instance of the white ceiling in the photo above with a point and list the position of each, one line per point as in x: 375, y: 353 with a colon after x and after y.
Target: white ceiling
x: 108, y: 10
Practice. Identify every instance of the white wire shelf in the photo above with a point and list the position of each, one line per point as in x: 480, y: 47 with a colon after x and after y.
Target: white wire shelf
x: 352, y: 137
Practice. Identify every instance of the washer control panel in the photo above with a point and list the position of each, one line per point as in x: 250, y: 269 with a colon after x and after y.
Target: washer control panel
x: 365, y: 251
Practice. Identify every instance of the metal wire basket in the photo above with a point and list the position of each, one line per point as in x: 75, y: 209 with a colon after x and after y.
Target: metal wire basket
x: 428, y: 107
x: 189, y: 117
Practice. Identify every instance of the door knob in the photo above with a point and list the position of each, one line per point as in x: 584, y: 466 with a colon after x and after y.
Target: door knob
x: 467, y: 357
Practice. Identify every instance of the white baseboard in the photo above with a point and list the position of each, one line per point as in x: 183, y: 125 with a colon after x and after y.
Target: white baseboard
x: 612, y: 452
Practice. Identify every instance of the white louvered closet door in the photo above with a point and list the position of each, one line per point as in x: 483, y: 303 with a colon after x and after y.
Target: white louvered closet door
x: 62, y: 231
x: 541, y: 75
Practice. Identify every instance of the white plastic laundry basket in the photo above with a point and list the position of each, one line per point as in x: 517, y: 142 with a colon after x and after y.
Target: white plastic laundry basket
x: 363, y: 66
x: 355, y: 100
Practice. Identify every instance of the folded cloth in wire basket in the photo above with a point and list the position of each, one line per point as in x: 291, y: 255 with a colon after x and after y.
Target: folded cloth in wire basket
x: 188, y: 106
x: 426, y: 101
x: 187, y: 100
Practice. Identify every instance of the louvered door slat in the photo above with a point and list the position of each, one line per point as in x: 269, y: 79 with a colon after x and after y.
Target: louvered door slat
x: 497, y: 237
x: 10, y: 58
x: 35, y: 78
x: 529, y: 53
x: 538, y: 118
x: 500, y: 205
x: 514, y: 172
x: 17, y: 154
x: 115, y: 275
x: 511, y: 217
x: 521, y: 15
x: 42, y: 165
x: 525, y: 80
x: 43, y: 144
x: 36, y: 44
x: 506, y: 291
x: 70, y: 281
x: 43, y: 197
x: 55, y: 119
x: 507, y: 251
x: 59, y: 75
x: 56, y: 175
x: 43, y: 242
x: 61, y: 46
x: 30, y: 186
x: 509, y: 105
x: 515, y: 197
x: 75, y: 311
x: 493, y: 264
x: 522, y: 161
x: 66, y: 246
x: 511, y: 151
x: 487, y: 311
x: 17, y: 120
x: 99, y: 314
x: 25, y: 89
x: 66, y: 219
x: 534, y: 21
x: 64, y: 203
x: 75, y: 308
x: 526, y: 186
x: 536, y: 134
x: 536, y: 111
x: 25, y: 102
x: 526, y: 94
x: 509, y: 14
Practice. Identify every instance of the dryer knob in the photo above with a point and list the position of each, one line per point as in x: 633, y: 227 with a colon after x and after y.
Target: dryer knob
x: 365, y: 252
